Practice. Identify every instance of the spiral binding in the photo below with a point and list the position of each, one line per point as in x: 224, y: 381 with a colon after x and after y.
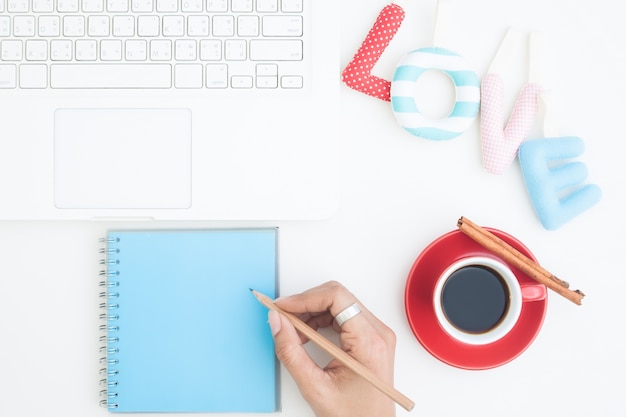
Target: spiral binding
x: 108, y: 319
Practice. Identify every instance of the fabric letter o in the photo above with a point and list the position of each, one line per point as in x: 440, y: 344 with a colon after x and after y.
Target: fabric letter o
x: 466, y: 86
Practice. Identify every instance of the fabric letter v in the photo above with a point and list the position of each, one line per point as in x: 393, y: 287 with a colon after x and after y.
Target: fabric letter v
x: 500, y: 146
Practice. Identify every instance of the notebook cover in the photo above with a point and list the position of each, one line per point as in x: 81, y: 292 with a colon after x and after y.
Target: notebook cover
x: 184, y: 333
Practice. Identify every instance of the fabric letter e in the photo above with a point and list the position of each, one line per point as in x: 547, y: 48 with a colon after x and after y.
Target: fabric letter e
x: 555, y: 186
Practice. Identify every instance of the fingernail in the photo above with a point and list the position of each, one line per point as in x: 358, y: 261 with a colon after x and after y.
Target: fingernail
x: 273, y: 318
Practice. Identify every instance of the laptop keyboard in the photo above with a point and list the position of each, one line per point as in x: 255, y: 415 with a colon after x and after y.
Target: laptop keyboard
x: 161, y: 44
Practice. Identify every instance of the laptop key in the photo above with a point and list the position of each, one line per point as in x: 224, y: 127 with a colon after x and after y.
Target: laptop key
x: 33, y: 76
x: 110, y: 75
x: 276, y: 50
x: 7, y: 76
x: 188, y: 76
x: 282, y: 26
x: 216, y: 76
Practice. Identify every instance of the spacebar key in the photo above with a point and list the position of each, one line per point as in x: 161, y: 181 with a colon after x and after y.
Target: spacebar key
x: 110, y: 76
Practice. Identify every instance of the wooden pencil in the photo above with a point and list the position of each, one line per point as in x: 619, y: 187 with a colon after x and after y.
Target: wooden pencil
x: 341, y: 356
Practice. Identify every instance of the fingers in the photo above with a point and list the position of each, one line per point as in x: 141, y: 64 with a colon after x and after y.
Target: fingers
x: 318, y: 307
x: 292, y: 354
x: 331, y: 296
x: 364, y: 336
x: 315, y: 321
x: 323, y: 303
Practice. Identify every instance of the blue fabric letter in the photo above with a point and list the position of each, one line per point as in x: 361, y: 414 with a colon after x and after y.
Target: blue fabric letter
x: 555, y: 186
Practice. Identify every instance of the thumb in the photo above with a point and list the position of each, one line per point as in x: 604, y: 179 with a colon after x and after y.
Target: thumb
x: 291, y: 352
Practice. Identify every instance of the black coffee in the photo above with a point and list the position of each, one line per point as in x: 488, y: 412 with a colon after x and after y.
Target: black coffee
x: 475, y: 298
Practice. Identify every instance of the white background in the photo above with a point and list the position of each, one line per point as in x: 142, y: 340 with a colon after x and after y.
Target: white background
x: 399, y: 193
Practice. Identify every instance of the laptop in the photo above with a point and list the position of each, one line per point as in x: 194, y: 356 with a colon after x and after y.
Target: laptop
x: 168, y: 109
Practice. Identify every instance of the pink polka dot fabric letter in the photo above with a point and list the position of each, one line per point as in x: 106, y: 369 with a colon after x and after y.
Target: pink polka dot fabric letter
x: 357, y: 74
x: 500, y: 146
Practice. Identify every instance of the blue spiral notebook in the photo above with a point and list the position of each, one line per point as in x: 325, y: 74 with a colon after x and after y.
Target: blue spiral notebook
x: 182, y: 331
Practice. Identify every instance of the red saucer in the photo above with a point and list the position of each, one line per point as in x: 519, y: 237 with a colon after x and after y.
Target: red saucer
x: 419, y: 306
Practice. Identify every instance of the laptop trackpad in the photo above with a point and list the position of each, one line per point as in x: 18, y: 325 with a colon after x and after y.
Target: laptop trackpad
x: 122, y: 158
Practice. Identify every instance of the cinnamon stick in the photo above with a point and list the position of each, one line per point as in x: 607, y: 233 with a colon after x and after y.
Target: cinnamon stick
x: 491, y: 242
x: 512, y: 250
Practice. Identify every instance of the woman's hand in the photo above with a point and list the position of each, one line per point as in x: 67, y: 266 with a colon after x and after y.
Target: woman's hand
x: 335, y: 391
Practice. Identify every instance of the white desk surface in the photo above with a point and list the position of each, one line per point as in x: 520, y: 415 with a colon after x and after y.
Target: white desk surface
x: 399, y: 193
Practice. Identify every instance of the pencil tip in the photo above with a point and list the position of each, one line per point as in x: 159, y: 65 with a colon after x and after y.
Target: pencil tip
x: 251, y: 290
